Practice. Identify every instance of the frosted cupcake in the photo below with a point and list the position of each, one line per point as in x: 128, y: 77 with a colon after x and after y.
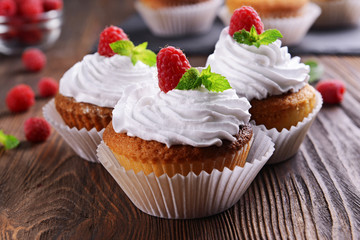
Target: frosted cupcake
x: 177, y: 18
x: 338, y: 13
x: 91, y: 88
x: 183, y: 131
x: 292, y: 18
x: 275, y: 83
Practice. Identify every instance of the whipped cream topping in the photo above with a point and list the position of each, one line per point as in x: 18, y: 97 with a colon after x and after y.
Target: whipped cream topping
x: 195, y: 117
x: 101, y: 80
x: 257, y: 72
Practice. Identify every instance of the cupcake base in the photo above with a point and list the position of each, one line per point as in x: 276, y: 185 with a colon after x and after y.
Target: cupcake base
x: 229, y: 160
x: 83, y: 142
x: 190, y: 196
x: 179, y: 20
x: 287, y: 142
x: 293, y: 29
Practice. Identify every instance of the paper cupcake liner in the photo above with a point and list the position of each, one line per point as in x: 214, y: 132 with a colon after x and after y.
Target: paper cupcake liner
x: 287, y: 142
x: 230, y: 160
x: 293, y: 29
x: 338, y: 13
x: 83, y: 142
x: 179, y: 20
x: 191, y: 196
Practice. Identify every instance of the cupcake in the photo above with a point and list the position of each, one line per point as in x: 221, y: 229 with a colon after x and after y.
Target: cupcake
x: 337, y: 13
x: 292, y: 18
x: 190, y: 127
x: 91, y: 88
x: 178, y: 18
x: 263, y: 71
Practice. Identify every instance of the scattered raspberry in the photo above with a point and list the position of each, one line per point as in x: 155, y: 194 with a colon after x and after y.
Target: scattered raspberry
x: 109, y: 35
x: 36, y: 129
x: 49, y: 5
x: 20, y: 98
x: 34, y: 59
x: 30, y: 8
x: 7, y: 8
x: 332, y: 91
x: 171, y: 64
x: 48, y: 87
x: 244, y: 18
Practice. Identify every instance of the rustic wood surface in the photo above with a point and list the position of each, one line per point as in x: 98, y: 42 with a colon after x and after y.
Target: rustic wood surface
x: 47, y: 192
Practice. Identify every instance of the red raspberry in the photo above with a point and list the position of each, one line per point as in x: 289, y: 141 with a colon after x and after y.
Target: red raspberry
x: 109, y: 35
x: 171, y: 64
x: 49, y: 5
x: 30, y: 36
x: 30, y: 8
x: 36, y: 129
x: 34, y: 59
x: 245, y: 18
x: 332, y: 91
x: 48, y: 87
x: 20, y: 98
x: 7, y: 8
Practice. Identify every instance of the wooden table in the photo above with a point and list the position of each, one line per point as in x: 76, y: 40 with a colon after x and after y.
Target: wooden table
x: 48, y: 192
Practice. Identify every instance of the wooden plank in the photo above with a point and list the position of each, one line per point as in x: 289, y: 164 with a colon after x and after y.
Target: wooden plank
x: 46, y: 191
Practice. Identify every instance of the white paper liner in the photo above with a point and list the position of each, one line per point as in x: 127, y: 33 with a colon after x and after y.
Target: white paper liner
x: 83, y: 142
x: 179, y: 20
x: 293, y: 29
x: 191, y: 196
x: 338, y: 13
x: 287, y: 142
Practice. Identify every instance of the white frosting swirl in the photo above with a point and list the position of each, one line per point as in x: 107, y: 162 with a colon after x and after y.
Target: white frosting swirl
x: 196, y: 117
x: 101, y: 80
x: 257, y: 72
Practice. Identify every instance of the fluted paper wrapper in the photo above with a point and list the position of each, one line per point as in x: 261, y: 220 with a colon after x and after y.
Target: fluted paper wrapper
x: 293, y: 29
x: 287, y: 142
x: 338, y: 13
x: 83, y: 142
x: 191, y: 196
x: 179, y: 20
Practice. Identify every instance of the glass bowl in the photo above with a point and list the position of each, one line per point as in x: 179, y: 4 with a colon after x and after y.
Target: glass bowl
x: 18, y: 33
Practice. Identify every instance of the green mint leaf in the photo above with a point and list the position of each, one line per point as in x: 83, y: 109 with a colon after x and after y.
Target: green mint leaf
x: 269, y: 36
x: 190, y: 80
x: 136, y: 53
x: 214, y: 82
x: 146, y: 56
x: 316, y: 70
x: 252, y: 38
x: 123, y: 47
x: 141, y: 47
x: 244, y: 37
x: 8, y: 141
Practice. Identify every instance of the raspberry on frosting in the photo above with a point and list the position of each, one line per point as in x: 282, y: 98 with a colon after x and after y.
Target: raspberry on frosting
x: 244, y: 18
x: 171, y: 64
x: 109, y: 35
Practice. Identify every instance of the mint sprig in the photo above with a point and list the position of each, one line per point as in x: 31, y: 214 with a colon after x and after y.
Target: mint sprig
x: 136, y: 53
x: 316, y: 70
x: 8, y: 141
x: 192, y: 79
x: 253, y: 38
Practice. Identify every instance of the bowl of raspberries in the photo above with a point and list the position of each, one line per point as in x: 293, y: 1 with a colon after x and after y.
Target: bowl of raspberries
x: 29, y: 23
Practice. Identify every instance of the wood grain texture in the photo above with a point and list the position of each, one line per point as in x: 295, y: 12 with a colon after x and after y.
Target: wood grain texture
x: 47, y: 192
